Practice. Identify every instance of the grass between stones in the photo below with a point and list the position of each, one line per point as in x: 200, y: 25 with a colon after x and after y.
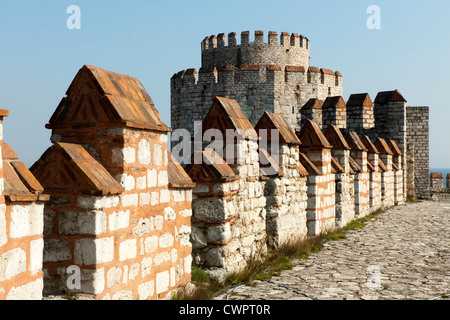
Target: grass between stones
x: 267, y: 266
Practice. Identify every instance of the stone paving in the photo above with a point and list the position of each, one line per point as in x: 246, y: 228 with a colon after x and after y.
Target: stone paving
x: 403, y: 254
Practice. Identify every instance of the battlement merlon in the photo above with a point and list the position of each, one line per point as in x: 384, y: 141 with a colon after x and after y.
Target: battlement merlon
x: 256, y: 74
x: 286, y: 49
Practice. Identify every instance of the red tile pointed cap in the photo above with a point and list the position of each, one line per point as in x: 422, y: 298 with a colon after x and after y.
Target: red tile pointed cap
x: 383, y: 147
x: 313, y: 103
x: 100, y: 96
x: 335, y: 137
x: 394, y: 148
x: 270, y: 121
x: 311, y: 136
x: 359, y: 99
x: 389, y: 96
x: 69, y: 168
x: 369, y: 145
x: 178, y: 178
x: 212, y: 168
x: 227, y: 114
x: 354, y: 142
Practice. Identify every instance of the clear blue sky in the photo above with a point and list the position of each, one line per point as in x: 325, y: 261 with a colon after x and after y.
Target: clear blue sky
x: 152, y: 40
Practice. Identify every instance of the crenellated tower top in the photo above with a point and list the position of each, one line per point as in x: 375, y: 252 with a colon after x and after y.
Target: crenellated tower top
x: 286, y: 50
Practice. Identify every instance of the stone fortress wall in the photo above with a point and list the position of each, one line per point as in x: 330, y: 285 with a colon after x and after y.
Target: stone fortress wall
x: 107, y: 199
x: 276, y: 76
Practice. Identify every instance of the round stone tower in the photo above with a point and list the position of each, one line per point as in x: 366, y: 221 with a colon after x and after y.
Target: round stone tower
x: 273, y: 75
x: 288, y: 50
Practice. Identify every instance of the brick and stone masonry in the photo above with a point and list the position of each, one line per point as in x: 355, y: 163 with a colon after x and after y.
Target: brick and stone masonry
x: 276, y: 76
x: 320, y: 188
x: 285, y: 189
x: 397, y: 166
x: 229, y: 203
x: 437, y: 181
x: 418, y: 127
x: 344, y: 179
x: 273, y: 76
x: 120, y: 208
x: 358, y: 155
x: 21, y: 227
x: 375, y: 174
x: 387, y: 175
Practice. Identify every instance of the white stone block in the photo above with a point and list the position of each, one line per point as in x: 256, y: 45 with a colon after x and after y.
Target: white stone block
x: 187, y: 264
x: 144, y: 199
x: 126, y: 181
x: 123, y: 295
x: 163, y: 179
x: 141, y: 182
x: 146, y: 266
x: 157, y: 223
x: 134, y: 271
x: 113, y: 276
x: 98, y: 202
x: 169, y: 214
x: 152, y: 178
x: 178, y: 195
x: 144, y: 152
x: 166, y: 240
x: 130, y: 200
x: 3, y: 237
x: 12, y: 263
x: 143, y: 227
x: 155, y: 198
x: 29, y: 291
x: 164, y: 196
x: 94, y: 251
x: 36, y: 255
x: 186, y: 213
x: 27, y: 220
x: 161, y: 258
x: 128, y: 249
x: 157, y: 155
x: 162, y: 282
x: 151, y: 244
x: 119, y: 220
x: 146, y: 290
x: 124, y: 155
x: 163, y: 138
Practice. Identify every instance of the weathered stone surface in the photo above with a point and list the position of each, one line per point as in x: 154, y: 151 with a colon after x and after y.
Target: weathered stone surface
x: 91, y: 251
x: 75, y: 222
x: 392, y: 258
x: 56, y: 250
x: 12, y: 263
x: 29, y: 291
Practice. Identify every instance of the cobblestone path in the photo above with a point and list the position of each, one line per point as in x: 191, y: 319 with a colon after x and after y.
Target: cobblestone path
x: 403, y: 254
